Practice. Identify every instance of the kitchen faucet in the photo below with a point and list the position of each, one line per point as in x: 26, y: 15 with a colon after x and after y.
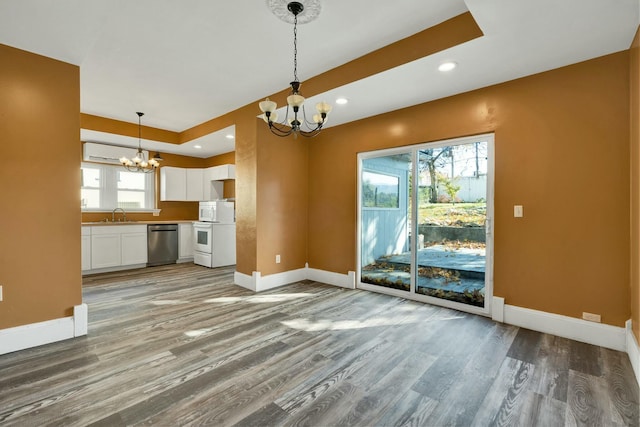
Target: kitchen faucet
x: 113, y: 215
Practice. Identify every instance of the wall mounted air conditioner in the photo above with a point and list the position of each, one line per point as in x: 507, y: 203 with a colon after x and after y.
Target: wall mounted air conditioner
x: 102, y: 153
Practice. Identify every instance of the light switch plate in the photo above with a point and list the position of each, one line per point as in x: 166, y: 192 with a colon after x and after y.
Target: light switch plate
x: 277, y: 259
x: 518, y: 212
x: 0, y: 292
x: 591, y: 317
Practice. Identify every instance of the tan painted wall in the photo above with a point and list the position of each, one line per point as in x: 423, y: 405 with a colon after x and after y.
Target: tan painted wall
x: 282, y: 202
x: 634, y: 99
x: 246, y: 187
x: 561, y: 151
x: 39, y: 179
x: 118, y: 127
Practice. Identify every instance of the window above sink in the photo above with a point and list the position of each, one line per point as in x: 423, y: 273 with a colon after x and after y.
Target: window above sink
x: 106, y: 187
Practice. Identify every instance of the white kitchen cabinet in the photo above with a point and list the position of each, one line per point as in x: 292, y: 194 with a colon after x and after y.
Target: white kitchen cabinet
x: 194, y: 184
x: 222, y: 172
x: 213, y: 190
x: 105, y: 250
x: 173, y: 184
x: 185, y: 241
x: 134, y: 247
x: 118, y: 245
x: 86, y: 248
x: 180, y: 184
x: 213, y: 180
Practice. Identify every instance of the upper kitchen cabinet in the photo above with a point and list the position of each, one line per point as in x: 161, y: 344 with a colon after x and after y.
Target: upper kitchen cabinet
x: 173, y: 183
x: 213, y: 180
x: 220, y: 173
x: 194, y: 184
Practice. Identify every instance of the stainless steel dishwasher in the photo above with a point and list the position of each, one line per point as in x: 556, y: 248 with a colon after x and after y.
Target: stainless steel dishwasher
x: 162, y: 244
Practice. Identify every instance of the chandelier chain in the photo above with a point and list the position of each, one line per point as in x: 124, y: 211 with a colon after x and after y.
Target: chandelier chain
x: 295, y: 48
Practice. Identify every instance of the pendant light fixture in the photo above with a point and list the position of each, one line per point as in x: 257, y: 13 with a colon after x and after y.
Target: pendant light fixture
x: 139, y: 163
x: 298, y: 124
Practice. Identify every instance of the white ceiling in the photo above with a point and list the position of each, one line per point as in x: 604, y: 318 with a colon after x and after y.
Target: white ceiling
x: 185, y: 62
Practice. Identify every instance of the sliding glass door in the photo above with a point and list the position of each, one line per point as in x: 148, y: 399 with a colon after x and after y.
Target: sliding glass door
x: 385, y: 221
x: 442, y: 194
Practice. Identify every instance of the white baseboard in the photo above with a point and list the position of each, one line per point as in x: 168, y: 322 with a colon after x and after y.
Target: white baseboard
x: 633, y: 350
x: 256, y: 282
x: 244, y: 280
x: 36, y: 334
x: 497, y: 309
x: 336, y: 279
x: 608, y: 336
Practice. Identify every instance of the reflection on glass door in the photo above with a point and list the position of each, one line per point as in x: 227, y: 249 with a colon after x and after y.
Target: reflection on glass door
x: 385, y: 249
x: 452, y: 214
x: 437, y: 192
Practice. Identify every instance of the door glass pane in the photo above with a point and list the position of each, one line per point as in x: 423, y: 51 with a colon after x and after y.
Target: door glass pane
x: 452, y: 210
x: 385, y: 247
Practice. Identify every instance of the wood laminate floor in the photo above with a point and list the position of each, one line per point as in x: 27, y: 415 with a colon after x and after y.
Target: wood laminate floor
x: 182, y: 345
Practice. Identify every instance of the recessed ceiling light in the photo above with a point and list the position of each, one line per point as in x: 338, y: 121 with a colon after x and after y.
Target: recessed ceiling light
x: 197, y: 146
x: 447, y: 66
x: 229, y: 136
x: 342, y: 101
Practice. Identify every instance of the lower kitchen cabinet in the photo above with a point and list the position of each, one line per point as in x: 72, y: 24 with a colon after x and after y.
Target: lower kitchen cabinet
x: 105, y: 250
x: 185, y: 242
x: 86, y: 248
x: 118, y: 245
x: 134, y: 247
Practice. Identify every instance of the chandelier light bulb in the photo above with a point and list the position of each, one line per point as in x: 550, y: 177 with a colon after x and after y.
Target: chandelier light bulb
x: 268, y: 106
x: 295, y: 100
x: 323, y: 107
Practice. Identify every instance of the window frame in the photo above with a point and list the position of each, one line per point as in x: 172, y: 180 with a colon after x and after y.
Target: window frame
x: 109, y: 188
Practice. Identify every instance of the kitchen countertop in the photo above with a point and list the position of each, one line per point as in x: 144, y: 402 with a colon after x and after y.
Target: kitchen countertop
x: 179, y: 221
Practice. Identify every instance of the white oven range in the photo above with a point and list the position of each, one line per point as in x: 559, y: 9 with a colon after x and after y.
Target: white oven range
x: 214, y: 244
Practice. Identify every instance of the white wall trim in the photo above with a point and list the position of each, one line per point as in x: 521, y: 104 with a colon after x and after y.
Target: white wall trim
x: 329, y: 277
x: 245, y: 281
x: 497, y: 309
x: 80, y: 320
x: 257, y: 283
x: 569, y: 327
x: 41, y: 333
x: 279, y: 279
x: 633, y: 350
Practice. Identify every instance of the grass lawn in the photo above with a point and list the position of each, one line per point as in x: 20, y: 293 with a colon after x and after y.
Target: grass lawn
x: 456, y: 214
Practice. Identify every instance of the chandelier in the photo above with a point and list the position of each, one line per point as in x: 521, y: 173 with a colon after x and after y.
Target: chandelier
x: 298, y: 124
x: 139, y: 163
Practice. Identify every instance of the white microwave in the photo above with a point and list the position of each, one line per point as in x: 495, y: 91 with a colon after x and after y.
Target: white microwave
x: 217, y: 211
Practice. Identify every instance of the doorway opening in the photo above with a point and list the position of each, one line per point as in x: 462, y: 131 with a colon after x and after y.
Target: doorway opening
x: 441, y: 193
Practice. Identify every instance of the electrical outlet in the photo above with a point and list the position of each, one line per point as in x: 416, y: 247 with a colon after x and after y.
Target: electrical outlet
x: 591, y: 317
x: 156, y: 213
x: 518, y: 211
x: 277, y: 259
x: 0, y: 292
